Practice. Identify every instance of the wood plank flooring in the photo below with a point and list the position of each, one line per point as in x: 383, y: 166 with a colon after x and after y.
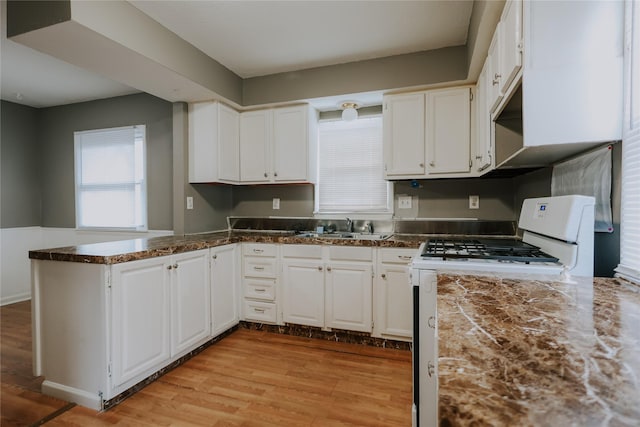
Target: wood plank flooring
x: 250, y: 378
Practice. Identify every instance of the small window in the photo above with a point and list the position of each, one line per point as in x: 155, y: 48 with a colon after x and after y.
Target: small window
x: 111, y: 190
x: 350, y: 168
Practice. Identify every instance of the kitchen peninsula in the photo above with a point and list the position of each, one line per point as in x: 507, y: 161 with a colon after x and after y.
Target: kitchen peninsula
x: 512, y: 352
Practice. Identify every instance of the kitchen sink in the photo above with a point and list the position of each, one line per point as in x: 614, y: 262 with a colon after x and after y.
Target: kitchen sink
x: 345, y: 235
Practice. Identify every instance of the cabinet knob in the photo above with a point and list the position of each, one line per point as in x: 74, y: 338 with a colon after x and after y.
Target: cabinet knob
x: 384, y: 276
x: 215, y: 256
x: 175, y: 266
x: 275, y: 174
x: 432, y: 163
x: 319, y: 268
x: 266, y: 174
x: 421, y: 165
x: 169, y: 267
x: 328, y: 268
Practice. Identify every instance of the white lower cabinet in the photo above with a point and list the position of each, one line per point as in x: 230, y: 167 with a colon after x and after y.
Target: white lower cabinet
x: 327, y: 287
x: 159, y: 309
x: 393, y: 294
x: 224, y: 288
x: 303, y: 291
x: 259, y: 282
x: 140, y: 317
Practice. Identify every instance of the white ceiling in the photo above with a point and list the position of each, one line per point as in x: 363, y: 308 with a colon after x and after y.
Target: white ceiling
x: 252, y: 38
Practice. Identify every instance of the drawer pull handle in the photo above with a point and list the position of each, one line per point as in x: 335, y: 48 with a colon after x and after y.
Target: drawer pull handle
x: 260, y: 290
x: 258, y: 251
x: 405, y: 257
x: 259, y: 310
x: 256, y: 267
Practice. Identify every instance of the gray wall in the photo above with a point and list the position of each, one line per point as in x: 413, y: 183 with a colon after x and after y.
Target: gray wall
x: 20, y: 167
x: 295, y: 200
x: 449, y: 198
x: 55, y: 135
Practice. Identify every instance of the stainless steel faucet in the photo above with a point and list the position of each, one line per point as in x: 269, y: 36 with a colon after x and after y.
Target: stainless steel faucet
x: 349, y: 225
x: 370, y: 227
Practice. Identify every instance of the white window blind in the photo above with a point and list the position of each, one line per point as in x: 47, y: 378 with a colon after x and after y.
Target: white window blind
x: 350, y: 168
x: 110, y: 178
x: 629, y: 266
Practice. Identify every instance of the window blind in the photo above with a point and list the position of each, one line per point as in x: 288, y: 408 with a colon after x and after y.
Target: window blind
x: 110, y: 178
x: 350, y: 167
x: 629, y: 266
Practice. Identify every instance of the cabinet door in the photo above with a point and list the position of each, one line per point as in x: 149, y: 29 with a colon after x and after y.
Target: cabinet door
x: 493, y: 72
x: 510, y: 43
x: 349, y: 289
x: 303, y: 292
x: 190, y: 309
x: 394, y: 301
x: 403, y: 135
x: 203, y: 140
x: 448, y: 128
x: 255, y: 141
x: 483, y: 122
x: 290, y: 144
x: 140, y: 317
x: 224, y: 288
x: 228, y: 144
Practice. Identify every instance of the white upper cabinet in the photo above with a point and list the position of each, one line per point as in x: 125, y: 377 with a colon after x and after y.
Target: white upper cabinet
x: 483, y: 152
x: 494, y: 95
x: 428, y: 134
x: 293, y: 130
x: 403, y: 138
x: 255, y: 145
x: 510, y: 43
x: 277, y: 145
x: 448, y: 130
x: 214, y: 142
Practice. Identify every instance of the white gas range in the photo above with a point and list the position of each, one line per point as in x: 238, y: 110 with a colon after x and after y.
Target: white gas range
x: 557, y: 242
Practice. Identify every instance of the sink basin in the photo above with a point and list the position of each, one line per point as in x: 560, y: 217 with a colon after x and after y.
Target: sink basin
x: 346, y: 235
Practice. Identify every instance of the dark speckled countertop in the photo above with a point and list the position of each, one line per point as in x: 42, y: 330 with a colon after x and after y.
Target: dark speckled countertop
x: 136, y: 249
x: 530, y: 352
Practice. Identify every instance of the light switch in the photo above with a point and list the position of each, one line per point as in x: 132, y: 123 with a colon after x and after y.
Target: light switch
x: 276, y: 203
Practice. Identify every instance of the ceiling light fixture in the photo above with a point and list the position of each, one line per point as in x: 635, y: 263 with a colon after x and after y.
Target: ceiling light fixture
x: 349, y: 111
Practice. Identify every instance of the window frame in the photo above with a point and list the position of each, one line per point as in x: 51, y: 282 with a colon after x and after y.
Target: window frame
x: 143, y: 196
x: 337, y: 214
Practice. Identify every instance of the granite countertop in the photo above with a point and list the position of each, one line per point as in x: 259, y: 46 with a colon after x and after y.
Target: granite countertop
x: 538, y: 353
x: 136, y: 249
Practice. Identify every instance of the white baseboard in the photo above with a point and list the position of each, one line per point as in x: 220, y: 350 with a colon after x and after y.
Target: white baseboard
x: 15, y: 244
x: 70, y: 394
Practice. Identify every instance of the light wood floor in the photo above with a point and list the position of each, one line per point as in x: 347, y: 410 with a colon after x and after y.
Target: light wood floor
x: 249, y: 378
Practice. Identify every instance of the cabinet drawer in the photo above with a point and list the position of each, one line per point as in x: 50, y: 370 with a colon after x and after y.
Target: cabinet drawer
x: 396, y: 256
x: 259, y: 267
x: 259, y: 249
x: 260, y: 311
x: 302, y: 251
x: 350, y: 253
x: 263, y: 289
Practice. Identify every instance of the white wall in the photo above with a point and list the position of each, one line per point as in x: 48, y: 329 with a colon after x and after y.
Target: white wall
x: 15, y: 244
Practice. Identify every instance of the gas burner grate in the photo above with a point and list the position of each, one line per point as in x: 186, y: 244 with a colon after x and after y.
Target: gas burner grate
x: 491, y: 249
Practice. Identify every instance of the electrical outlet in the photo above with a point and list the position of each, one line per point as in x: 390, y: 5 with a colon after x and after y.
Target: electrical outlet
x: 276, y: 203
x: 404, y: 202
x: 189, y: 202
x: 474, y: 202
